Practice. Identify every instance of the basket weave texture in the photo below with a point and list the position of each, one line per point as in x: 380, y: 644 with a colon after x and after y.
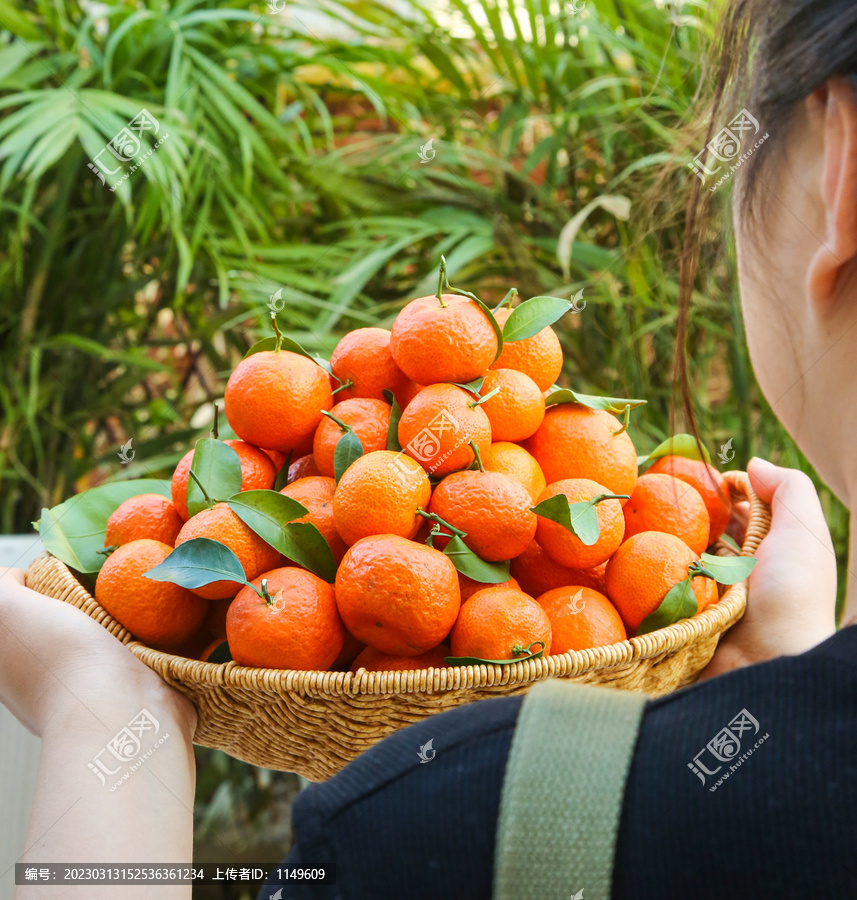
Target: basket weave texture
x: 313, y: 723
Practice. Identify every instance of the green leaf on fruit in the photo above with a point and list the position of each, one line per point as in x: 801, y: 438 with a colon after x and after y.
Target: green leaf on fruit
x: 476, y: 661
x: 307, y: 546
x: 473, y: 566
x: 677, y: 445
x: 580, y: 519
x: 268, y: 343
x: 198, y: 562
x: 218, y: 468
x: 615, y: 405
x: 348, y: 450
x: 473, y: 386
x: 286, y: 343
x: 725, y: 569
x: 73, y: 531
x: 393, y: 427
x: 531, y: 316
x: 271, y: 515
x: 679, y: 603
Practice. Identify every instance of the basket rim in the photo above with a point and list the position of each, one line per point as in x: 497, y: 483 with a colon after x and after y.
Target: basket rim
x: 663, y: 642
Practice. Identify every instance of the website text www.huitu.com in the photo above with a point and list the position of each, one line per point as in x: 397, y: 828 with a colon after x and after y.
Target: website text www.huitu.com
x: 738, y: 762
x: 735, y: 166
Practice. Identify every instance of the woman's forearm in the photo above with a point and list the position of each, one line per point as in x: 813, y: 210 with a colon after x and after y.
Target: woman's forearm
x: 115, y: 786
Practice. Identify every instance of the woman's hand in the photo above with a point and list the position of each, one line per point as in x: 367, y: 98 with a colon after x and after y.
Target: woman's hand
x: 57, y: 664
x: 73, y: 684
x: 792, y: 599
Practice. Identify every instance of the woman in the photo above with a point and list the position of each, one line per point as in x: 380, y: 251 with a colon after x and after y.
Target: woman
x: 780, y: 826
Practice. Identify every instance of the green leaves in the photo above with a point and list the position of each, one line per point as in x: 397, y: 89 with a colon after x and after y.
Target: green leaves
x: 615, y: 405
x: 476, y: 661
x: 679, y: 603
x: 393, y: 428
x: 286, y: 343
x: 271, y: 515
x: 348, y: 449
x: 677, y: 445
x: 472, y: 386
x: 473, y: 566
x: 725, y: 569
x: 74, y: 530
x: 534, y: 314
x: 579, y: 518
x: 306, y: 545
x: 201, y: 561
x: 218, y: 469
x: 198, y: 562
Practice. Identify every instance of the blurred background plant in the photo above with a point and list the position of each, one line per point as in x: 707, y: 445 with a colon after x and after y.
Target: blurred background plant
x: 299, y: 161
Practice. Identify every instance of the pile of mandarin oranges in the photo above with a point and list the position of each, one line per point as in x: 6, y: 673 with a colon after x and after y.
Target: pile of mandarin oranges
x: 441, y: 501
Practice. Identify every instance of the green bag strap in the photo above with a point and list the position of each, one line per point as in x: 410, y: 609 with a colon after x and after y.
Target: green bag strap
x: 563, y: 790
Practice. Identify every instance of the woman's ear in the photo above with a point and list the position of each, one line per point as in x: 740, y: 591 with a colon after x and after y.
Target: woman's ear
x: 838, y: 250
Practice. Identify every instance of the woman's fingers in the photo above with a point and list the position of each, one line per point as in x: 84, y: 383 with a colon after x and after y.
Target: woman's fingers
x: 795, y: 507
x: 792, y: 596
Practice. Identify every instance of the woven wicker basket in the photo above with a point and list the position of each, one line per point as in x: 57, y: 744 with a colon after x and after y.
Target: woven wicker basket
x: 313, y: 723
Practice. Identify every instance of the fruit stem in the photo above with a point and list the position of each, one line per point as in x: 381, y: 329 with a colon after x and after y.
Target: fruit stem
x: 434, y: 517
x: 215, y: 430
x: 264, y: 594
x: 517, y: 649
x: 474, y: 403
x: 475, y: 450
x: 441, y: 281
x: 343, y: 385
x: 107, y: 550
x: 697, y: 568
x: 345, y: 428
x: 208, y: 499
x: 601, y: 497
x: 277, y: 332
x: 507, y: 299
x: 626, y: 421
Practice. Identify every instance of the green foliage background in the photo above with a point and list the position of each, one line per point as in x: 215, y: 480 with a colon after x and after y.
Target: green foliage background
x: 293, y: 162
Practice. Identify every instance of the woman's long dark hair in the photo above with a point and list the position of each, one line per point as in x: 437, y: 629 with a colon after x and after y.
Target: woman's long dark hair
x: 769, y: 56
